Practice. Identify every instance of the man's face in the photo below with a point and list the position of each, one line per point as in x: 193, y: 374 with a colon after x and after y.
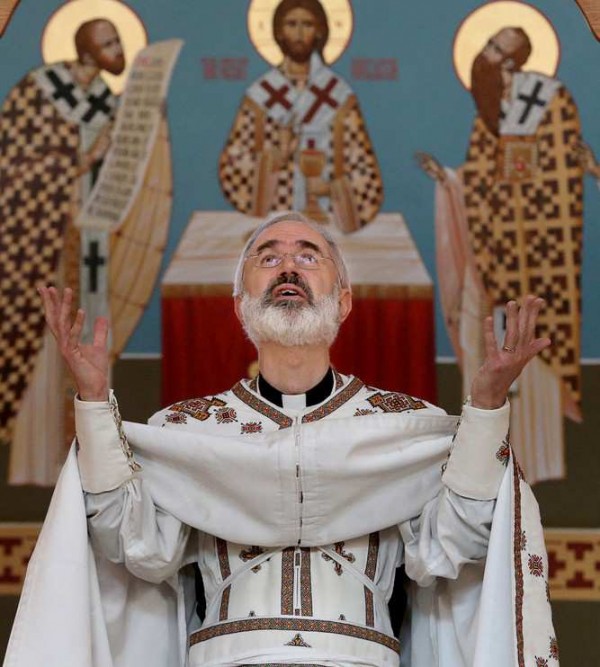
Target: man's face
x: 290, y: 237
x: 106, y: 49
x: 298, y: 34
x: 501, y: 46
x: 293, y: 301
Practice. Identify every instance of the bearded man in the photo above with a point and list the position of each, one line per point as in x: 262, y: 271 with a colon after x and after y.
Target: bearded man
x: 509, y: 223
x: 296, y: 494
x: 54, y: 131
x: 299, y: 135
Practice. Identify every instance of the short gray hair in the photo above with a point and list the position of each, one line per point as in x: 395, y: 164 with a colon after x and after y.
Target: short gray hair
x: 291, y: 216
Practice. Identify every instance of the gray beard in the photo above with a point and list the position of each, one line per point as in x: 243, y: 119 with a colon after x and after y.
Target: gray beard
x: 291, y: 324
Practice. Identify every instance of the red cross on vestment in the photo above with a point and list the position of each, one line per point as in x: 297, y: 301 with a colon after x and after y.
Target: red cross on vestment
x: 277, y: 95
x: 322, y: 97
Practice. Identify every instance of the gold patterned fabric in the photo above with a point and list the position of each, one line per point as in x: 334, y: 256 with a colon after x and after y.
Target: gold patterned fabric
x: 250, y: 157
x: 524, y: 202
x: 38, y: 166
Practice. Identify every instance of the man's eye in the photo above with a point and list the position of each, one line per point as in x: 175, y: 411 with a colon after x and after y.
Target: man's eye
x: 308, y: 258
x: 269, y: 260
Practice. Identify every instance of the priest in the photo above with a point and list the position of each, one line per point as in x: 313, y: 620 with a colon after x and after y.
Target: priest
x: 296, y: 494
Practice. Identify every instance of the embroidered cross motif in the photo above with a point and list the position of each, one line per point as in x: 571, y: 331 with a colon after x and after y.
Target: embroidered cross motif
x: 198, y: 408
x: 322, y: 96
x: 252, y: 427
x: 225, y: 415
x: 536, y: 565
x: 250, y: 554
x: 394, y: 402
x: 339, y: 549
x: 503, y: 454
x: 277, y: 95
x: 298, y: 641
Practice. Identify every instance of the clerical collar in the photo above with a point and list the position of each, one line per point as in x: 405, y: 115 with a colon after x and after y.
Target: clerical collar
x: 313, y: 396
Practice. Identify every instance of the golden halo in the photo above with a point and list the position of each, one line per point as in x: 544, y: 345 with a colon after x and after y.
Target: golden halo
x: 260, y: 29
x: 480, y: 25
x: 58, y: 37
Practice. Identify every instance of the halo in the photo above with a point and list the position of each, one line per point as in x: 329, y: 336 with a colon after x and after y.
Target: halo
x: 474, y: 32
x: 260, y: 29
x: 58, y: 37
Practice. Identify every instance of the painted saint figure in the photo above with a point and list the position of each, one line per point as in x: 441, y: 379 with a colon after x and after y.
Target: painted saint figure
x: 55, y: 130
x: 299, y: 139
x: 509, y: 223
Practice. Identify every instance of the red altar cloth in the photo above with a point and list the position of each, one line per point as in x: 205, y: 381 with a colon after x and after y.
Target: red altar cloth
x: 388, y: 343
x: 388, y: 340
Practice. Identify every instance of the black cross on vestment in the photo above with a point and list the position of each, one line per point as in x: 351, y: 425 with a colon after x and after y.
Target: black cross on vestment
x: 97, y: 104
x: 62, y: 90
x: 94, y: 261
x: 531, y: 100
x: 277, y: 95
x: 322, y: 96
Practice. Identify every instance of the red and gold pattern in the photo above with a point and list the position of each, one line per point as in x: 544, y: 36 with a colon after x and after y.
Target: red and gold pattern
x: 573, y: 559
x: 394, y: 402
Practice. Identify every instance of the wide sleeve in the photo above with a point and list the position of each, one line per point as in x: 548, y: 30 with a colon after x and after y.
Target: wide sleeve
x: 356, y: 186
x: 124, y: 522
x: 248, y: 169
x: 453, y: 528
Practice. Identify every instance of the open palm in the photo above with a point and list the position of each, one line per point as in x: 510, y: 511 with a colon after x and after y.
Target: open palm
x: 87, y: 363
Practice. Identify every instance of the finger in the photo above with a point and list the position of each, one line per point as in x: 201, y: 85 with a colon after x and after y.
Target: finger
x: 489, y: 337
x: 524, y: 316
x: 511, y: 337
x: 100, y: 332
x: 49, y: 309
x: 536, y: 306
x: 76, y: 329
x: 65, y: 312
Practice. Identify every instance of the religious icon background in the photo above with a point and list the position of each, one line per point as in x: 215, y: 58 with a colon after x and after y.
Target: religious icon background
x: 57, y: 140
x: 399, y: 64
x: 509, y: 220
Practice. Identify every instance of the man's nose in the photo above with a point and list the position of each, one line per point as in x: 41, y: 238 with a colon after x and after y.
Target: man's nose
x: 288, y: 261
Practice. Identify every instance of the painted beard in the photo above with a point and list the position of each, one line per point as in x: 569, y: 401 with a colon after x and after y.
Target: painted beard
x: 486, y: 89
x: 289, y: 322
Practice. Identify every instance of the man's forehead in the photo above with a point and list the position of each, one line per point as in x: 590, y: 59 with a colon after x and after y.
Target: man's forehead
x: 290, y: 232
x: 104, y: 30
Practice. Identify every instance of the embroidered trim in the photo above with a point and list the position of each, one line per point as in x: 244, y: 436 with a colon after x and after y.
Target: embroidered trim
x: 251, y: 553
x: 116, y: 415
x: 305, y: 583
x: 370, y: 569
x: 198, y: 408
x: 335, y: 402
x: 287, y: 581
x: 338, y: 547
x: 519, y: 590
x: 339, y: 380
x: 260, y: 406
x: 223, y: 556
x: 296, y: 624
x: 393, y: 401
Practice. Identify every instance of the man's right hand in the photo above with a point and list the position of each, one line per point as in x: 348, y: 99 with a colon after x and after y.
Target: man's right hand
x: 431, y: 166
x: 88, y: 363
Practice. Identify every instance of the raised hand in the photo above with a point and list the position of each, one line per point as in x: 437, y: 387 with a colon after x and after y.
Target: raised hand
x: 431, y: 166
x: 502, y: 366
x: 87, y: 363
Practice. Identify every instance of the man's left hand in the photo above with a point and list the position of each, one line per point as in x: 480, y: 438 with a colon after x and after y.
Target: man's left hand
x: 502, y: 366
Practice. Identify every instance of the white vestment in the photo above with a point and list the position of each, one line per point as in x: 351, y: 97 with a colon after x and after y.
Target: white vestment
x: 298, y: 519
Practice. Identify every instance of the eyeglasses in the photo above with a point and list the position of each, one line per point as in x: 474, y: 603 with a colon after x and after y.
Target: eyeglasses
x: 306, y: 259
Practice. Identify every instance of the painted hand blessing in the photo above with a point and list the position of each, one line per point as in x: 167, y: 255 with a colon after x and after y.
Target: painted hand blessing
x: 502, y: 366
x: 87, y: 363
